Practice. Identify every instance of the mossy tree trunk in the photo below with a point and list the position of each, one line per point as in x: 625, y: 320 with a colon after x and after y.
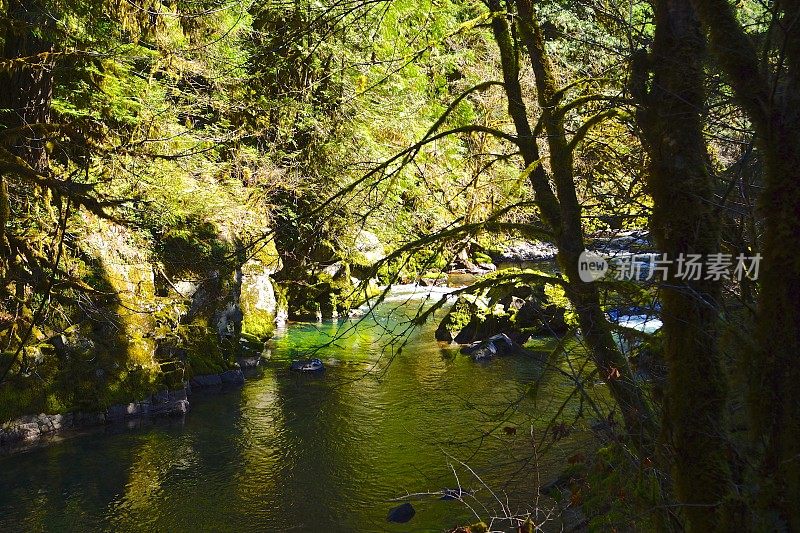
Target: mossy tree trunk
x: 5, y: 217
x: 684, y: 222
x: 26, y: 87
x: 772, y: 102
x: 562, y: 212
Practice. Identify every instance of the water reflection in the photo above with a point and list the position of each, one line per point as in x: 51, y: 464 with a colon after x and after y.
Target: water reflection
x: 293, y: 452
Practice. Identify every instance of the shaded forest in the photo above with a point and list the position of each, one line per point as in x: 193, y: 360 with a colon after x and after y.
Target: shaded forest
x: 179, y: 176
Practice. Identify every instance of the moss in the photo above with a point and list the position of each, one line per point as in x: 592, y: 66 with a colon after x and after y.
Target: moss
x: 517, y: 308
x: 135, y: 383
x: 407, y: 269
x: 326, y: 294
x: 636, y: 488
x: 258, y: 324
x: 20, y: 398
x: 192, y: 247
x: 95, y: 372
x: 113, y: 361
x: 528, y: 527
x: 204, y: 351
x: 558, y: 297
x: 268, y: 256
x: 371, y: 290
x: 140, y: 351
x: 258, y: 303
x: 462, y: 314
x: 482, y: 258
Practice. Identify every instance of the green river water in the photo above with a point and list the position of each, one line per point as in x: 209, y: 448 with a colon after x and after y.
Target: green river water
x: 290, y: 452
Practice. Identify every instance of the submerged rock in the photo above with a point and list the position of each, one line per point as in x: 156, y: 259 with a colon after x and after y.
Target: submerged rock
x: 496, y: 345
x: 229, y: 377
x: 232, y: 377
x: 123, y: 411
x: 28, y: 429
x: 559, y: 486
x: 401, y: 514
x: 249, y: 361
x: 307, y: 365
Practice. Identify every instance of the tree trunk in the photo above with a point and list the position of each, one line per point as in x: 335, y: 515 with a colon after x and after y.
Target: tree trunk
x: 583, y: 296
x: 563, y: 214
x: 5, y: 216
x: 546, y: 200
x: 775, y: 383
x: 26, y: 88
x: 774, y: 399
x: 684, y: 222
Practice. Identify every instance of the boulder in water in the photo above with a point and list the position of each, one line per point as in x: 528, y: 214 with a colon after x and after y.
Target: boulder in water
x: 517, y: 310
x: 401, y: 514
x: 499, y: 344
x: 232, y: 377
x: 307, y: 365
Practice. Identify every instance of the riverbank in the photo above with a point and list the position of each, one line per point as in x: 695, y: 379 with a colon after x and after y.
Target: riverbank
x: 33, y: 430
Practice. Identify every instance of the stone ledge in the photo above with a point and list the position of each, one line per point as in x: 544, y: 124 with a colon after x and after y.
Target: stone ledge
x: 31, y: 428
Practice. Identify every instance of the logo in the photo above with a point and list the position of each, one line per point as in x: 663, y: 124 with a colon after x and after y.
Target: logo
x: 591, y: 266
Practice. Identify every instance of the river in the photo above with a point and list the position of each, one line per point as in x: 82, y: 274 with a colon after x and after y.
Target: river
x: 291, y: 452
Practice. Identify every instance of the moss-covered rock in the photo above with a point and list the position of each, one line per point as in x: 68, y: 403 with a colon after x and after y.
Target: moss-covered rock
x: 257, y: 301
x: 517, y: 310
x: 366, y: 249
x: 168, y: 306
x: 192, y: 248
x: 267, y: 257
x: 204, y: 351
x: 330, y: 293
